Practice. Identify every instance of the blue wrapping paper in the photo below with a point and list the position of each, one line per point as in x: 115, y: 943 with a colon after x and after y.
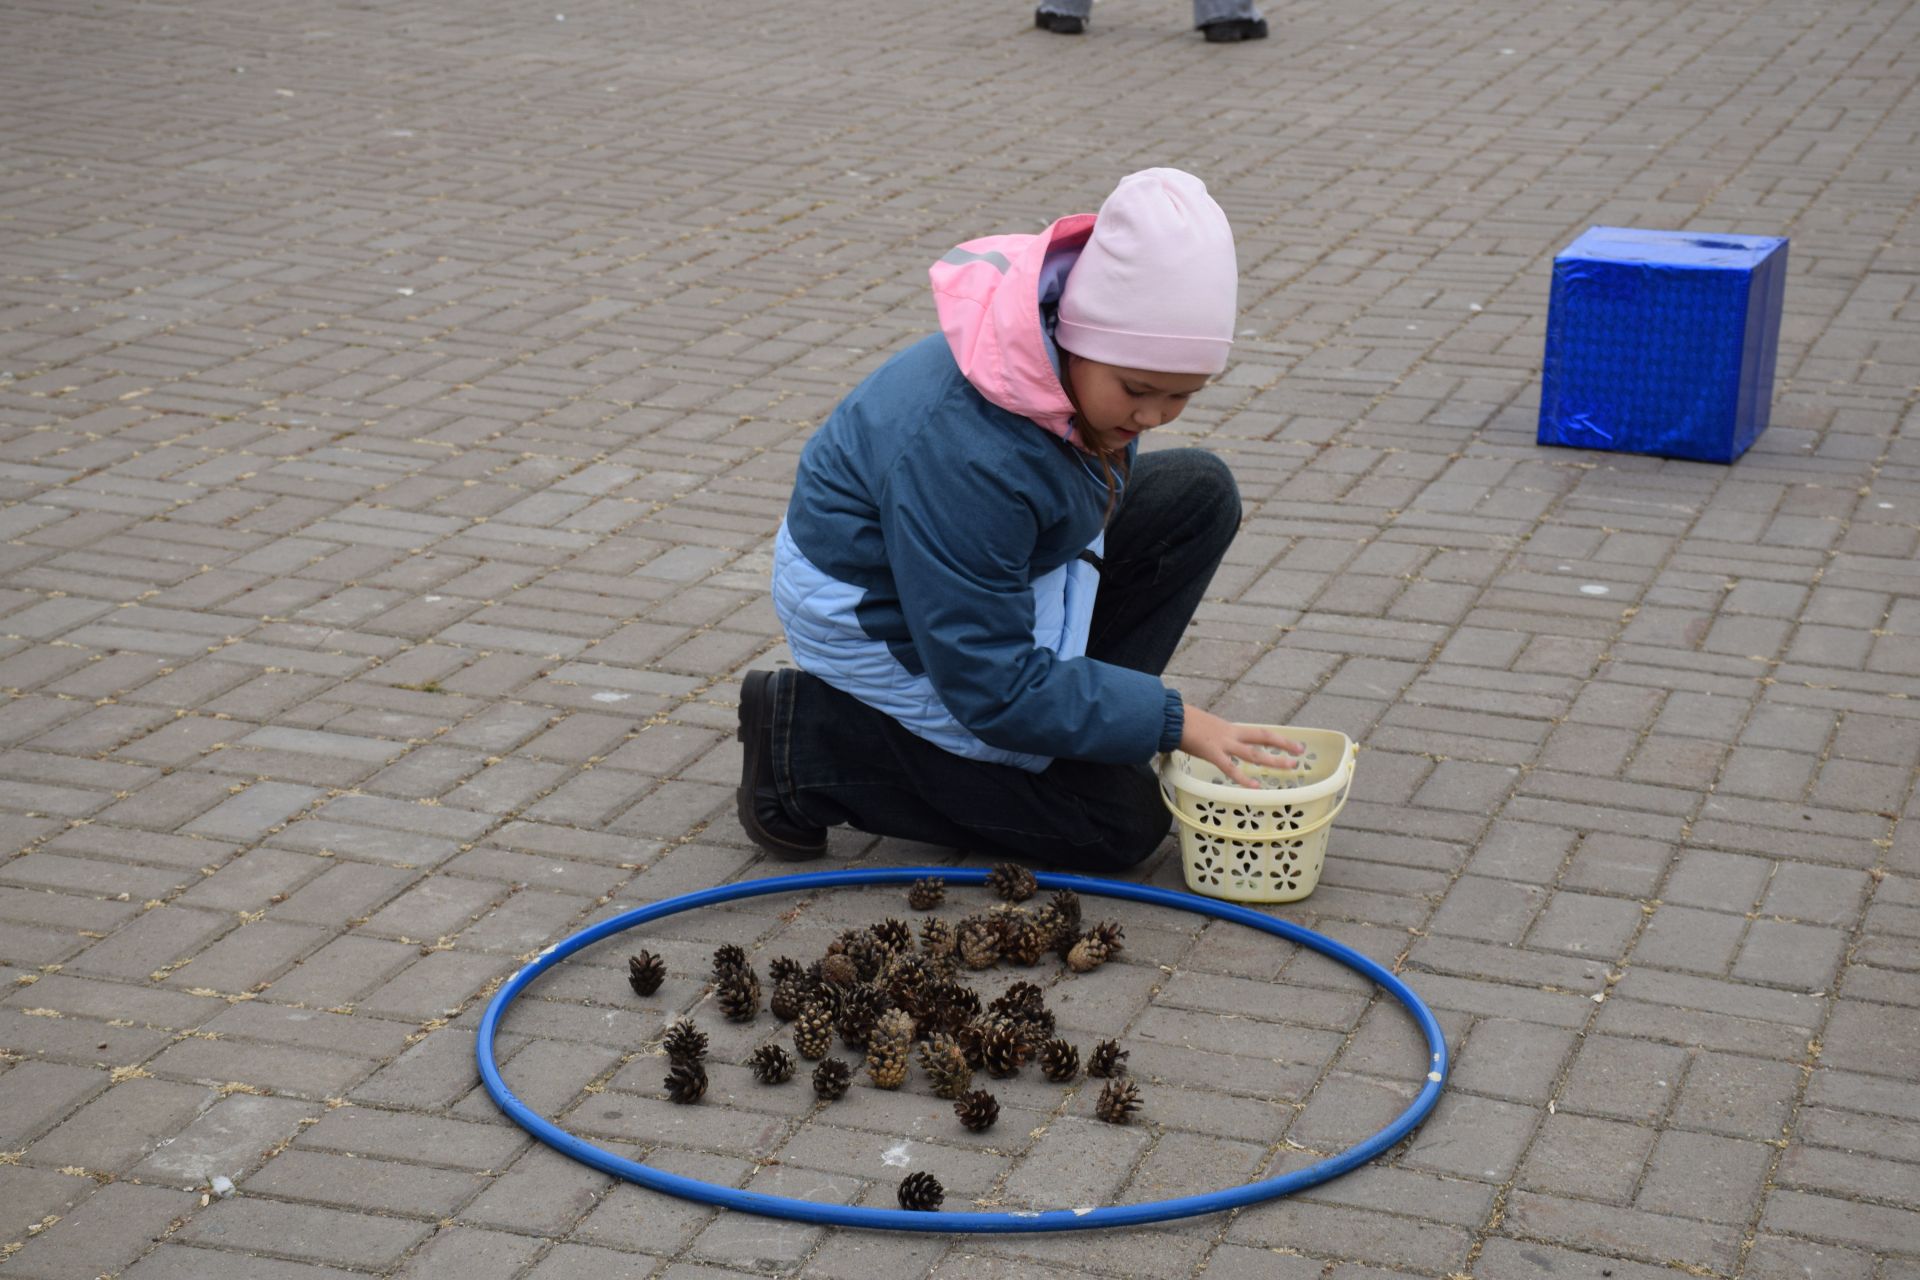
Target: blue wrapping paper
x: 1662, y: 342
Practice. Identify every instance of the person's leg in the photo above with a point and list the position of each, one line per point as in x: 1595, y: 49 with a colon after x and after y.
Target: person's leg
x: 763, y: 815
x: 838, y: 761
x: 1179, y: 513
x: 1225, y: 21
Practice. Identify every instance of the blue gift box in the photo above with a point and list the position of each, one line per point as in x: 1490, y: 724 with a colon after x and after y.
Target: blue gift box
x: 1662, y: 342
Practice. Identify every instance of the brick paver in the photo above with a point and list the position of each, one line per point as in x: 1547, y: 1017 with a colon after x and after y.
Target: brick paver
x: 396, y: 407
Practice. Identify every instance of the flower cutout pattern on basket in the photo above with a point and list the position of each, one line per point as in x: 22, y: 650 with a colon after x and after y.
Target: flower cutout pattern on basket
x: 1213, y: 815
x: 1249, y: 865
x: 1210, y: 865
x: 1287, y: 870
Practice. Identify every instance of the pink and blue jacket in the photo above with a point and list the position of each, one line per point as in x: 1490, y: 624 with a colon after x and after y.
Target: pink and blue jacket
x: 930, y: 563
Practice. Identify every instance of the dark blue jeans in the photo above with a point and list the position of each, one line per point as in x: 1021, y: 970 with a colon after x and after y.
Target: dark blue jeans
x: 837, y: 760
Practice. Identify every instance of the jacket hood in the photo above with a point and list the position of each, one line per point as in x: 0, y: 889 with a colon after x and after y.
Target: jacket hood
x: 988, y: 294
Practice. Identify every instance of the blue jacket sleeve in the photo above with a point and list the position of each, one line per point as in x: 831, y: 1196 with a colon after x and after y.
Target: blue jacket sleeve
x: 960, y: 540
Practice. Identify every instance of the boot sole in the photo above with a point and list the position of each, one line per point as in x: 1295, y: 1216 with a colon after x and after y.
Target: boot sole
x: 1235, y: 37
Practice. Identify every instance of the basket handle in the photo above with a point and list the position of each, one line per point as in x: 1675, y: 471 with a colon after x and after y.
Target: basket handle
x: 1274, y: 837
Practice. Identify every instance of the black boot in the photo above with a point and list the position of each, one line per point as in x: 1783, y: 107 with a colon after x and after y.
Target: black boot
x: 763, y: 817
x: 1059, y: 23
x: 1232, y: 30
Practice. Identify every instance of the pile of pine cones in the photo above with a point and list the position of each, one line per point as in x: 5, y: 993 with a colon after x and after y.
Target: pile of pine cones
x: 893, y: 998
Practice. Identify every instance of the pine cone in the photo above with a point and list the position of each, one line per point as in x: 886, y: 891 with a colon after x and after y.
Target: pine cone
x: 1087, y: 954
x: 927, y: 894
x: 684, y: 1042
x: 813, y: 1032
x: 739, y: 996
x: 829, y: 997
x: 954, y: 1006
x: 790, y: 996
x: 1004, y: 1049
x: 1059, y: 1061
x: 1054, y: 928
x: 887, y: 1051
x: 979, y: 942
x: 839, y: 971
x: 862, y: 1008
x: 831, y: 1078
x: 785, y: 969
x: 921, y: 1192
x: 1004, y: 914
x: 1024, y: 1005
x: 972, y: 1037
x: 645, y: 972
x: 936, y: 939
x: 868, y: 955
x: 906, y: 972
x: 977, y: 1110
x: 1019, y: 1000
x: 1039, y: 1026
x: 686, y: 1080
x: 728, y: 959
x: 1066, y: 905
x: 948, y: 1071
x: 894, y: 935
x: 771, y: 1065
x: 1110, y: 935
x: 1107, y: 1060
x: 1118, y: 1101
x: 1024, y: 942
x: 1012, y: 881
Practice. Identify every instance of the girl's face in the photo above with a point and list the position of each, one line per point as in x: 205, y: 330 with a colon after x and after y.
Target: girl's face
x: 1115, y: 404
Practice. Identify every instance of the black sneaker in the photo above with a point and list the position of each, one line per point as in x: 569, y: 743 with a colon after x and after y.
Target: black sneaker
x: 1233, y: 30
x: 762, y: 815
x: 1059, y: 23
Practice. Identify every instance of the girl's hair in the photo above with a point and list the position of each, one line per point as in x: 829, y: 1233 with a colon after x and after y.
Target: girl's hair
x: 1113, y: 469
x: 1113, y: 466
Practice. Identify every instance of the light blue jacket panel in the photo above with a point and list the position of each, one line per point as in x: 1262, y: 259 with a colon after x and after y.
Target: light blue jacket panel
x: 821, y: 618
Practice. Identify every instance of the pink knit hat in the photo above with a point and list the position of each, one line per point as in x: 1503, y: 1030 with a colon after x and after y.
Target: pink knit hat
x: 1157, y: 287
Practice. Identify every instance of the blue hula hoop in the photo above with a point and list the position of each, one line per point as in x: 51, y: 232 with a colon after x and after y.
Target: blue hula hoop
x: 1130, y: 1215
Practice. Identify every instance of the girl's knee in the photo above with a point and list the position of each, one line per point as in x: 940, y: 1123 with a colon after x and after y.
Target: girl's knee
x: 1141, y: 843
x: 1207, y: 486
x: 1222, y: 491
x: 1120, y: 851
x: 1141, y: 822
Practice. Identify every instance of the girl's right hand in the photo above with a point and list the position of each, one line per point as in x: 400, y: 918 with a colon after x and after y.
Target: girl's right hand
x: 1224, y: 745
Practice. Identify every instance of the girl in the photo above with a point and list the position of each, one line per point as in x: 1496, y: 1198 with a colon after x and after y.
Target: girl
x: 980, y: 577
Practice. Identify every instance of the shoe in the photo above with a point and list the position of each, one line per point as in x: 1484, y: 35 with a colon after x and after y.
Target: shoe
x: 762, y: 815
x: 1059, y: 23
x: 1233, y: 30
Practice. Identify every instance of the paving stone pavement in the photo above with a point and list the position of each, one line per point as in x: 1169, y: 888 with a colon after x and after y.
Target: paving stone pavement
x: 396, y: 406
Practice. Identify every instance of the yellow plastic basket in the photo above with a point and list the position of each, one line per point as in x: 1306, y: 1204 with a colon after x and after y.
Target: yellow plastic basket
x: 1259, y: 845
